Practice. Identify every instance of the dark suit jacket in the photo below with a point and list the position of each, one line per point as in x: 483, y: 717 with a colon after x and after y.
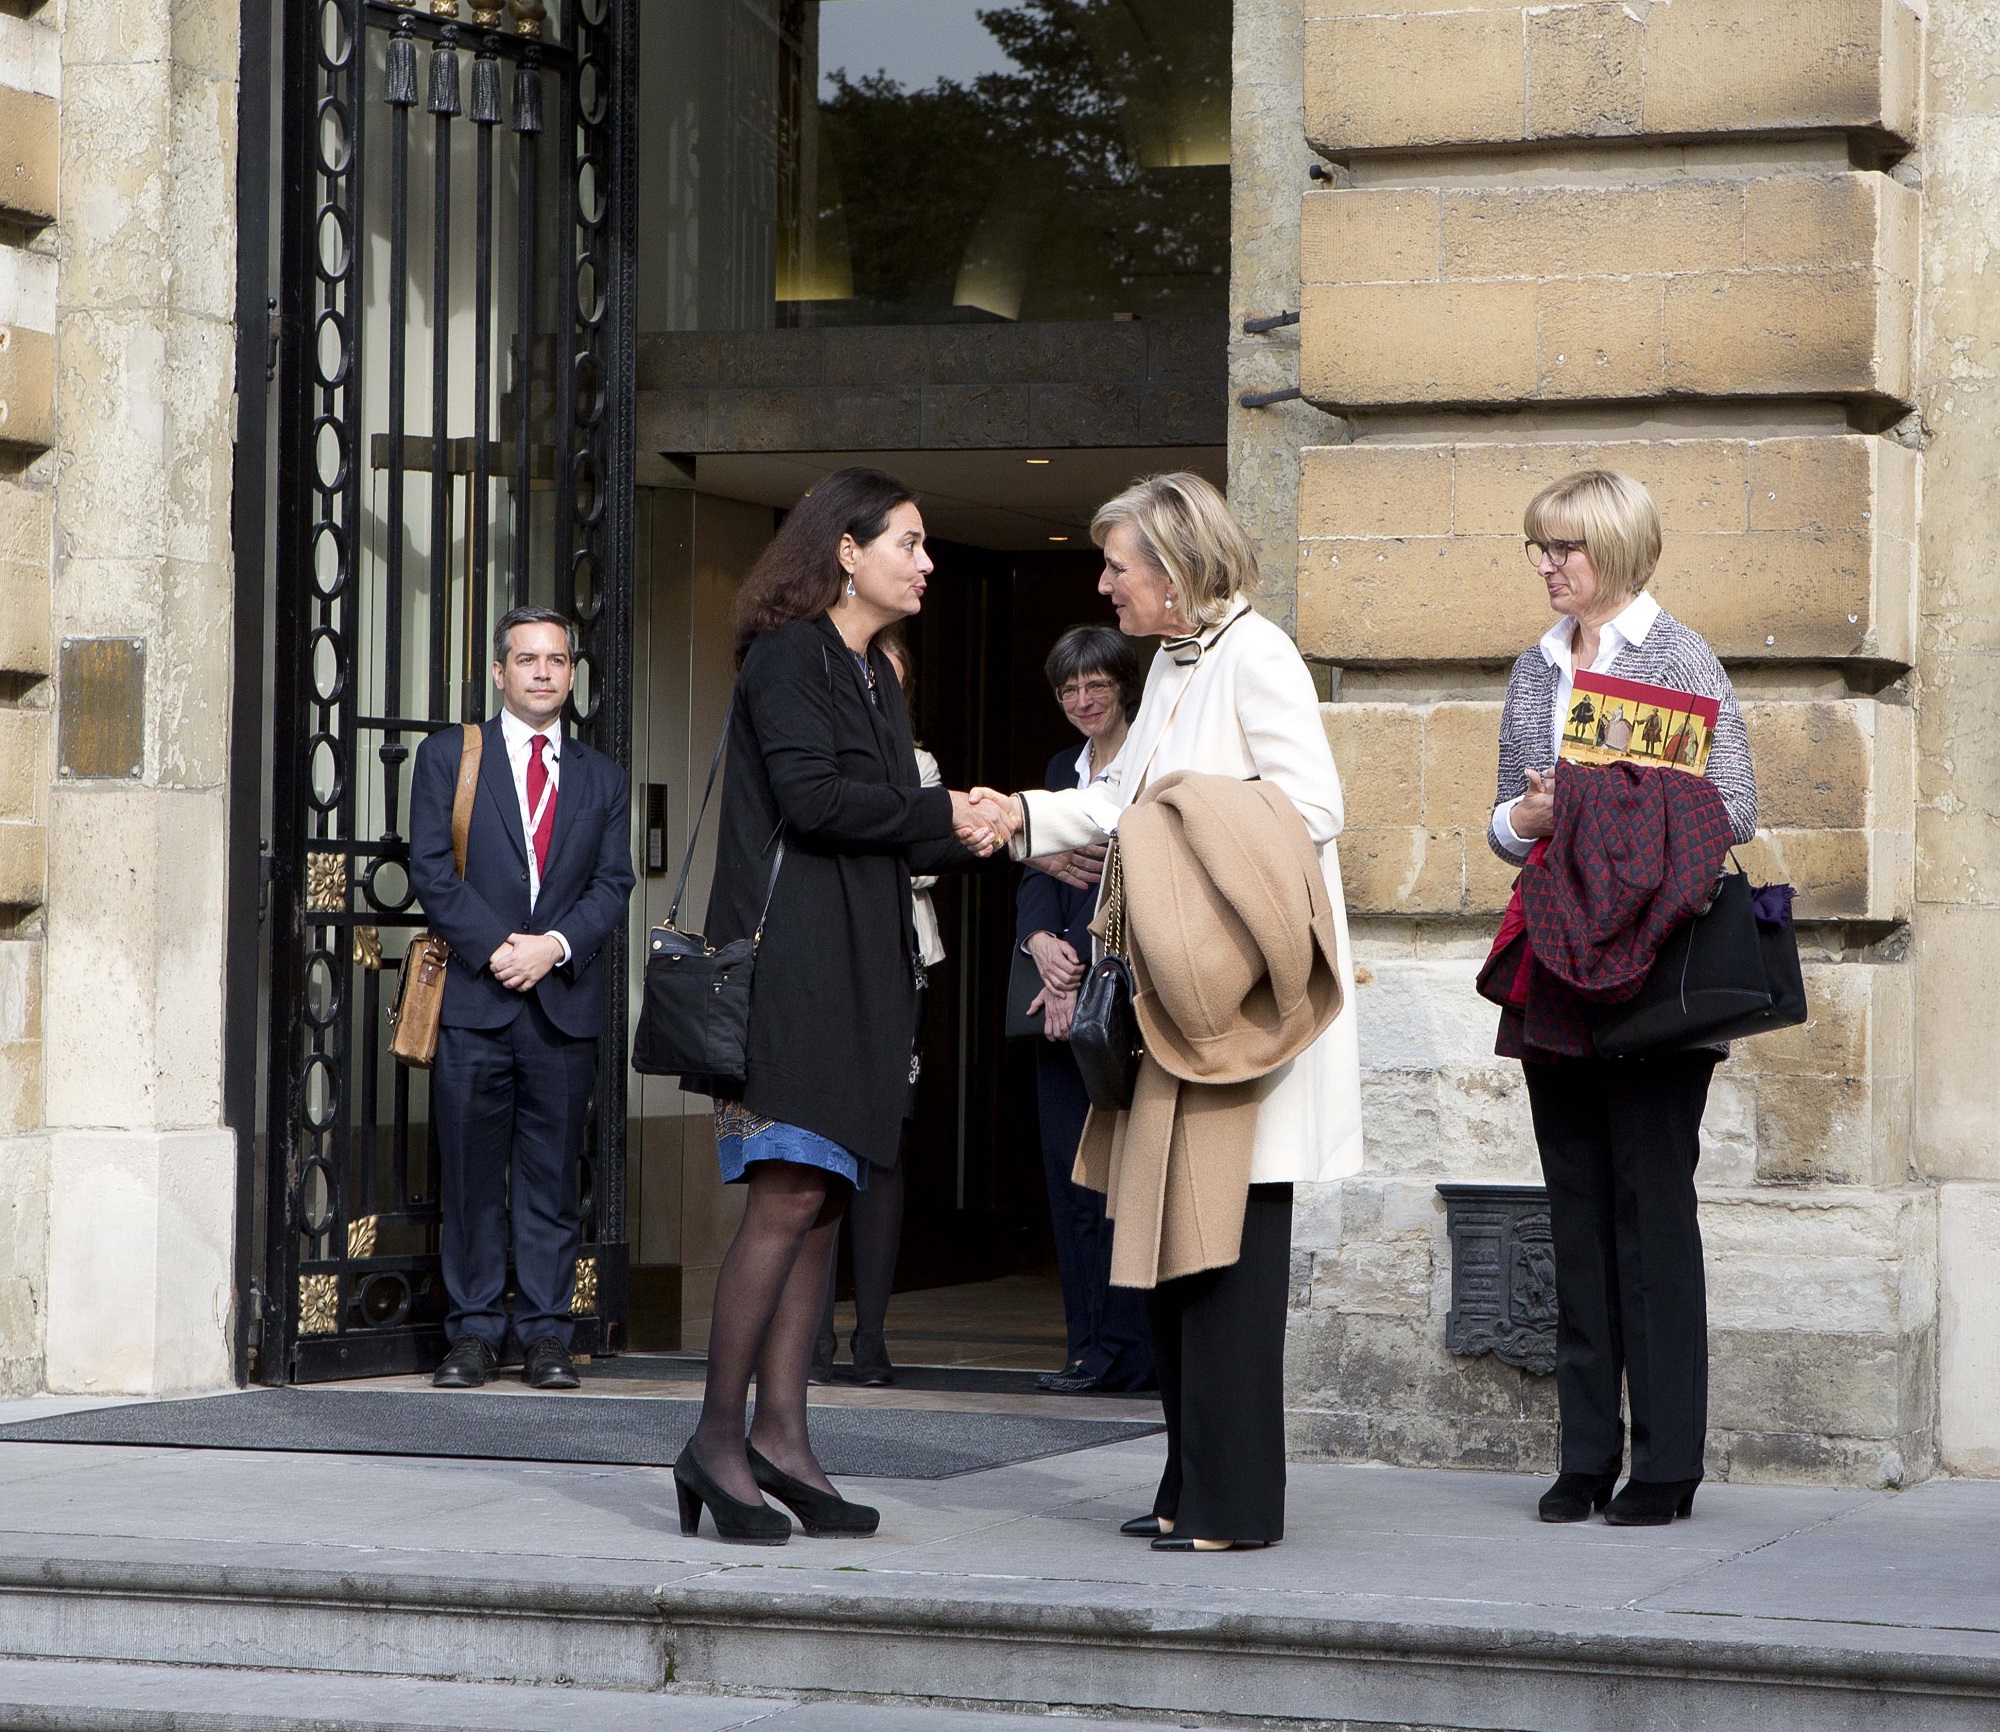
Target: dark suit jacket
x: 1046, y: 904
x: 584, y: 890
x: 833, y: 1013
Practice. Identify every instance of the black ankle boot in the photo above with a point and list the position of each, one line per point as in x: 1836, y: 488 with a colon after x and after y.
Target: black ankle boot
x: 1646, y: 1503
x: 1575, y: 1495
x: 871, y: 1358
x: 824, y: 1348
x: 820, y: 1513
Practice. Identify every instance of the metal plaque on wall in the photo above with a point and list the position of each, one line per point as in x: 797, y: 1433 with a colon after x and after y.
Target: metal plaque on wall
x: 101, y: 710
x: 1503, y: 1274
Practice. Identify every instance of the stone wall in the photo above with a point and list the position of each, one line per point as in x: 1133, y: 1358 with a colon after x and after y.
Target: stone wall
x: 117, y: 282
x: 1693, y: 241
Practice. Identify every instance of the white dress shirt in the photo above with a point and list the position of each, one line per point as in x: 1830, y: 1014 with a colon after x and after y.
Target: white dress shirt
x: 930, y: 936
x: 1628, y: 628
x: 519, y: 739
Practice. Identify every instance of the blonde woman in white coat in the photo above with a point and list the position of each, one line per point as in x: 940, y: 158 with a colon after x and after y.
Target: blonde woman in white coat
x: 1229, y: 695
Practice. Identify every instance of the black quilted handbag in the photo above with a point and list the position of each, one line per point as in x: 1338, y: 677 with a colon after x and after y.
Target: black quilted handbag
x: 1104, y: 1033
x: 695, y: 1022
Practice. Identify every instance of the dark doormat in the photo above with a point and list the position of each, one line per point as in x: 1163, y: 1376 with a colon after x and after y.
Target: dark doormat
x: 928, y: 1379
x: 859, y: 1442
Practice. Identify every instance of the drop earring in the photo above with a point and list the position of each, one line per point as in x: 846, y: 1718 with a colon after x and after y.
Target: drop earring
x: 850, y: 586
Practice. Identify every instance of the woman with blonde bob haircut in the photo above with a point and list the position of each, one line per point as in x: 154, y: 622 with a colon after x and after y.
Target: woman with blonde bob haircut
x: 1619, y: 1138
x: 1227, y: 695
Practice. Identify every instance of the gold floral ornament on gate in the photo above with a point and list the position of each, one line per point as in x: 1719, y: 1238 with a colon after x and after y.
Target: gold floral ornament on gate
x: 319, y: 1304
x: 326, y: 882
x: 583, y: 1302
x: 361, y: 1237
x: 528, y: 16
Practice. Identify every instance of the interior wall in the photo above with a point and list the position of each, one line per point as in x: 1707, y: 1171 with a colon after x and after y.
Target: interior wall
x: 694, y: 551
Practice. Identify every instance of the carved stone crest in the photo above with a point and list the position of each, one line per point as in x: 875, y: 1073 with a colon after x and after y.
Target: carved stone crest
x: 1503, y: 1275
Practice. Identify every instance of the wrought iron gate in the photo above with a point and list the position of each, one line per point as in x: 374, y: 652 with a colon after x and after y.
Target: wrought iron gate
x: 455, y: 323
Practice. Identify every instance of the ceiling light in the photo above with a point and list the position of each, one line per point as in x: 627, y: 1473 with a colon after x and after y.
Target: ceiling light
x: 1038, y: 462
x: 1059, y: 538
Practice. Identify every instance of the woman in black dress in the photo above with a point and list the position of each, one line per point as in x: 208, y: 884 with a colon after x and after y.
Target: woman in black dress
x: 822, y: 787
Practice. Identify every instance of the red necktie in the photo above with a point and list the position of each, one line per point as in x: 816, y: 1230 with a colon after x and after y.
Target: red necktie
x: 538, y: 784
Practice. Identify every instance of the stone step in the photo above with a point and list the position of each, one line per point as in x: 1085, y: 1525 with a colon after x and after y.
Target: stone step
x: 1200, y: 1655
x: 112, y: 1696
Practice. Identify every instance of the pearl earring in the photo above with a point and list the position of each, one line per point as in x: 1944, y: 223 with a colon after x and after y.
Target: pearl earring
x: 1171, y: 598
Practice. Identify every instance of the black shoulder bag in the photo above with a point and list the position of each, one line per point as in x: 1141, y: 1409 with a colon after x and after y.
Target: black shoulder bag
x: 1730, y: 971
x: 1104, y: 1034
x: 695, y: 1023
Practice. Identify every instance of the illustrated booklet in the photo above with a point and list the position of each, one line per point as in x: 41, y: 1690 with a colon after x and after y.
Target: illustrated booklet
x: 1614, y: 721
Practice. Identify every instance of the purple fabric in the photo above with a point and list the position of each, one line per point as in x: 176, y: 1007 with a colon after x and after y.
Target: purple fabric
x: 1772, y: 904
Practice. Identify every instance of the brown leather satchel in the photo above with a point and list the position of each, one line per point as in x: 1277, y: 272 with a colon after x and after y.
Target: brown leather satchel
x: 413, y: 1024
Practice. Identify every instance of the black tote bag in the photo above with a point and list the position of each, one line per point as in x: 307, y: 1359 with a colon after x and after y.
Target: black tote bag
x: 1721, y: 975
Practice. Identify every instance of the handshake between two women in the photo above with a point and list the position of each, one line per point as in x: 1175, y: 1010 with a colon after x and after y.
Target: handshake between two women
x: 986, y: 820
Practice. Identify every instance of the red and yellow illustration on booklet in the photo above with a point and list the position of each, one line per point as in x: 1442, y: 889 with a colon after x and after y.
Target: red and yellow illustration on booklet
x: 1614, y: 721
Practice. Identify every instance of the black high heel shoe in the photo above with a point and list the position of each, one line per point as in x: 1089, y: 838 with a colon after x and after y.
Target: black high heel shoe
x: 750, y: 1524
x: 1575, y: 1495
x: 823, y: 1514
x: 1145, y: 1527
x: 1646, y: 1503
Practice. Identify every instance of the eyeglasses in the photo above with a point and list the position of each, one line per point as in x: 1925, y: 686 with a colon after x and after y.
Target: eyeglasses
x: 1077, y: 690
x: 1555, y: 552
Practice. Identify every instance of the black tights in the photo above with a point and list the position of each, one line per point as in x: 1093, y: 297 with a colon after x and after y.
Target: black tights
x: 768, y: 1295
x: 874, y: 1236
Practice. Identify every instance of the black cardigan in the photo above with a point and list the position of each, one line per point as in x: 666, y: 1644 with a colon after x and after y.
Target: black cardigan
x: 833, y: 1009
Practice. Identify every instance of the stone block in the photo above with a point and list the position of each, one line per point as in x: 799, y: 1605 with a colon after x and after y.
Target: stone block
x: 1408, y: 74
x: 1083, y: 415
x: 24, y: 618
x: 1775, y: 549
x: 141, y: 1241
x: 23, y: 865
x: 24, y: 765
x: 844, y: 420
x: 1956, y: 1096
x: 27, y: 155
x: 1969, y: 1329
x: 27, y: 387
x: 771, y: 360
x: 24, y: 1259
x: 672, y: 420
x: 1791, y: 285
x: 975, y: 415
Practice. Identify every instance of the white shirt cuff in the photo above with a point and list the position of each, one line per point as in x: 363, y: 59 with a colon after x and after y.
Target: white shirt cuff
x: 1503, y: 830
x: 564, y: 942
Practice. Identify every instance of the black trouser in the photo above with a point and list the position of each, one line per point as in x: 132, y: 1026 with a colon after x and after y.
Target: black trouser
x: 1619, y: 1140
x: 512, y: 1097
x: 1106, y: 1324
x: 1219, y: 1344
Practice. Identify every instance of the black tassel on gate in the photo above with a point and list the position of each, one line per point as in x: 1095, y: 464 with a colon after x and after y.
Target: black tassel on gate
x: 399, y: 84
x: 528, y: 98
x: 486, y: 90
x: 444, y: 78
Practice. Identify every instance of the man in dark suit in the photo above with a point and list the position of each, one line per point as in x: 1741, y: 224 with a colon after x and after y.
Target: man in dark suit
x: 548, y: 871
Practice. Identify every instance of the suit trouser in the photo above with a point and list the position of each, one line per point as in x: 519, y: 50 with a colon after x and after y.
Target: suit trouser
x: 1219, y: 1343
x: 1107, y: 1330
x: 511, y: 1098
x: 1619, y: 1141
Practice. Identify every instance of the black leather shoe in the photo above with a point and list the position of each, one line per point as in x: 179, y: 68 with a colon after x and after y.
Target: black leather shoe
x: 750, y: 1524
x: 1186, y: 1543
x: 821, y: 1513
x: 1575, y: 1495
x: 547, y: 1365
x: 1145, y: 1527
x: 468, y: 1365
x: 1646, y: 1503
x: 871, y: 1359
x: 1049, y: 1379
x: 1081, y: 1384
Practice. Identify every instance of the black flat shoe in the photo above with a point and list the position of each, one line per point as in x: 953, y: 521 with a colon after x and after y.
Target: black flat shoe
x: 1081, y: 1384
x: 823, y: 1514
x: 1575, y: 1495
x: 1049, y: 1379
x: 1146, y: 1527
x: 1646, y: 1503
x: 547, y: 1365
x: 871, y: 1359
x: 467, y: 1366
x: 1186, y: 1543
x: 749, y: 1524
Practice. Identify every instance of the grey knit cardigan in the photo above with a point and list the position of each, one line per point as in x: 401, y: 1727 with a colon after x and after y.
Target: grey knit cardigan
x: 1672, y: 655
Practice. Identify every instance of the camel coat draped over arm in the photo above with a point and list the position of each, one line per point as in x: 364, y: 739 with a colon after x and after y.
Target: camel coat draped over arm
x: 1234, y: 953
